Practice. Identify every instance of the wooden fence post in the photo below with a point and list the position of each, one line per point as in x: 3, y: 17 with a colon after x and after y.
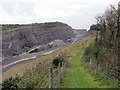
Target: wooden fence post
x: 118, y: 74
x: 99, y: 68
x: 50, y: 78
x: 62, y: 67
x: 106, y: 70
x: 65, y: 67
x: 59, y: 75
x: 95, y: 69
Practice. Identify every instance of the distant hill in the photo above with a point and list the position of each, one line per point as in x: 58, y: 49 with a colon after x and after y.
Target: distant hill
x: 20, y: 38
x: 40, y: 25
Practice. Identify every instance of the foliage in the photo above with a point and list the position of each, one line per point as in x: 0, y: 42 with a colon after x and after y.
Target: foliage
x: 95, y: 27
x: 35, y: 78
x: 57, y: 61
x: 48, y: 24
x: 91, y: 52
x: 39, y: 25
x: 9, y: 26
x: 77, y: 76
x: 11, y: 83
x: 106, y: 46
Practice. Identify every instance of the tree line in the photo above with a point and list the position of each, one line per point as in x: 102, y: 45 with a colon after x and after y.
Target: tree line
x: 106, y: 46
x: 40, y: 25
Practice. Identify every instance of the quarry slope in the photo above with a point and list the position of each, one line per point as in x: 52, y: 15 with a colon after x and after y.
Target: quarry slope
x: 17, y: 40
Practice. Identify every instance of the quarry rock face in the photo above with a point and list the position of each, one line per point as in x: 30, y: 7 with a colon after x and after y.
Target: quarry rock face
x: 21, y: 39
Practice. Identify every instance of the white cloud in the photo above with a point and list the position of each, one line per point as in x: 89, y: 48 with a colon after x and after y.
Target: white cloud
x: 77, y: 13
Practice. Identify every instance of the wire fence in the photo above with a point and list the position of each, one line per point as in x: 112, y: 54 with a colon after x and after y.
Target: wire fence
x: 109, y: 72
x: 54, y: 77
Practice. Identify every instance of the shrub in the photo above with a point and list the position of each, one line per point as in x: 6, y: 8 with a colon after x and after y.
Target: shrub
x: 56, y: 61
x: 91, y: 52
x: 11, y: 83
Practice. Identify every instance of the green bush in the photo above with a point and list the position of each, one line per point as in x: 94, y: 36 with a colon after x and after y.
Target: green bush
x: 91, y: 52
x: 57, y: 61
x: 11, y: 83
x: 35, y: 78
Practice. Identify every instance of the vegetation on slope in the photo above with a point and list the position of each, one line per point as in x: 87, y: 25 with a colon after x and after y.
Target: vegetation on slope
x: 77, y: 75
x: 104, y: 51
x: 40, y: 25
x: 107, y: 43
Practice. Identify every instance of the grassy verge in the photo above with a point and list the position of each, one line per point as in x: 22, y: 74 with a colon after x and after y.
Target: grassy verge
x: 77, y: 76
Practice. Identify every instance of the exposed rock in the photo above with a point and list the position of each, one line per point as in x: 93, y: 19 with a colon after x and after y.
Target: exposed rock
x: 57, y: 43
x: 19, y: 40
x: 80, y: 33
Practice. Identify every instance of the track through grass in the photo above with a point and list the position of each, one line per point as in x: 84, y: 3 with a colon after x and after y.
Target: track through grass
x: 77, y: 76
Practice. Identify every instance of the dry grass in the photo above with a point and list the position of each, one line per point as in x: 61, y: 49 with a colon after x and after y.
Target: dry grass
x: 21, y: 68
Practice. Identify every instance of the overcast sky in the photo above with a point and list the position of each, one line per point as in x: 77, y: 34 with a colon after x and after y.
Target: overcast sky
x: 76, y: 13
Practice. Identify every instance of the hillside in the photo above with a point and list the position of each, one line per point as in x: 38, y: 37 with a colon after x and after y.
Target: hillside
x: 76, y: 75
x: 18, y: 39
x: 59, y: 56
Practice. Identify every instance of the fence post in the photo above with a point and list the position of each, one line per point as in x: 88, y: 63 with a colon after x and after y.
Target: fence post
x: 106, y: 70
x: 95, y: 68
x: 90, y: 63
x: 65, y: 66
x: 111, y: 70
x: 59, y: 75
x: 62, y: 67
x: 50, y: 78
x: 99, y: 68
x: 118, y: 75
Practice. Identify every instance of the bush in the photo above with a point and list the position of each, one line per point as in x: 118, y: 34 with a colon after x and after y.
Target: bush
x: 91, y: 52
x: 56, y: 61
x: 11, y: 83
